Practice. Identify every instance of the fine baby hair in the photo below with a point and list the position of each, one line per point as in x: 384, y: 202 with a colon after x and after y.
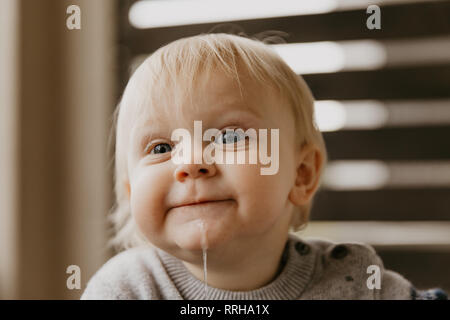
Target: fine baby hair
x: 176, y: 66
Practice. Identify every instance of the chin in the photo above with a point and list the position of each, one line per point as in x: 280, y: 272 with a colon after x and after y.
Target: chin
x: 191, y: 236
x: 193, y: 245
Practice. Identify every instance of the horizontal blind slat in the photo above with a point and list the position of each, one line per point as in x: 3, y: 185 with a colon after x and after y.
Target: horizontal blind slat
x: 419, y: 82
x: 384, y: 204
x: 405, y: 143
x: 398, y: 21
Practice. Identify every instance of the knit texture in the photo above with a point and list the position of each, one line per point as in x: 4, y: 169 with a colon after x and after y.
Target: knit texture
x: 313, y: 269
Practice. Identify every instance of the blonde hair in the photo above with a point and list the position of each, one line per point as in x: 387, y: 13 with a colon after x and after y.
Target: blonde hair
x: 181, y: 62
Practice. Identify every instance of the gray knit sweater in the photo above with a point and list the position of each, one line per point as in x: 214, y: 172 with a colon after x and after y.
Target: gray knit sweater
x: 313, y: 269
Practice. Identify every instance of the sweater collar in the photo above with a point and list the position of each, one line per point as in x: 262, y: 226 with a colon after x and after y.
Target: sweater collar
x: 288, y: 285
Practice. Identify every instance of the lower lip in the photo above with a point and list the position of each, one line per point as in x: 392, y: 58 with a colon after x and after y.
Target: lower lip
x: 204, y: 205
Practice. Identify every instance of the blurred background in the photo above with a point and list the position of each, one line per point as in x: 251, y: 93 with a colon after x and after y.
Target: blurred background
x: 383, y: 104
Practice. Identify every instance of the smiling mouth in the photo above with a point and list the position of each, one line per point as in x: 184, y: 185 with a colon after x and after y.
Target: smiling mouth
x: 202, y: 203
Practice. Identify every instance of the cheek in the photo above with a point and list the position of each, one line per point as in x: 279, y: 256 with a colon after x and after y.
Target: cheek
x: 262, y: 198
x: 148, y: 200
x: 250, y: 179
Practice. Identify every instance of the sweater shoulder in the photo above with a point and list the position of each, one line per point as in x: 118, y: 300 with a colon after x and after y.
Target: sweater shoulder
x: 127, y: 275
x: 353, y: 270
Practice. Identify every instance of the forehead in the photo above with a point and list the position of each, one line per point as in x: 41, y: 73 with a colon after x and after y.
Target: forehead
x: 208, y: 95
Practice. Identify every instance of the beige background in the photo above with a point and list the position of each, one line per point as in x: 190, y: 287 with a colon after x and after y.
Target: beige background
x: 56, y: 99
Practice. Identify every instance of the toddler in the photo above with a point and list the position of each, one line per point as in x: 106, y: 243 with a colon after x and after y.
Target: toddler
x: 184, y: 224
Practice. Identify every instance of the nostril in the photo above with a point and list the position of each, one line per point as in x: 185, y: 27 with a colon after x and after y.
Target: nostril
x: 183, y: 174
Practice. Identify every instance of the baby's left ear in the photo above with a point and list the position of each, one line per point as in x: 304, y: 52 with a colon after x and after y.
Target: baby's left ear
x: 309, y: 163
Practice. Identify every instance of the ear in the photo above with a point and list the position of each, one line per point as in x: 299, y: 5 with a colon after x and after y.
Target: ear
x: 308, y: 164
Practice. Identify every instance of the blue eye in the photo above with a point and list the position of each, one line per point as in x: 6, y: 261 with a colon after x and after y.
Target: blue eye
x: 161, y: 148
x: 231, y: 136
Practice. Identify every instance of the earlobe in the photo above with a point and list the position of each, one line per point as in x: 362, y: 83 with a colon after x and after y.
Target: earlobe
x: 307, y: 175
x: 298, y: 195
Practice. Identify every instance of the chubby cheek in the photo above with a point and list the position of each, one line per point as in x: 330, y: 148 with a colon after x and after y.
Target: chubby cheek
x: 148, y: 201
x: 262, y: 198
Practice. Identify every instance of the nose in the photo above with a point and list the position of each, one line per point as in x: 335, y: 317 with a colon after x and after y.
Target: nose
x: 194, y: 171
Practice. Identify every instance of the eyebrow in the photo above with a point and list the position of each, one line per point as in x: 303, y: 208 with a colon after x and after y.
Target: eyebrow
x: 242, y: 106
x: 144, y: 134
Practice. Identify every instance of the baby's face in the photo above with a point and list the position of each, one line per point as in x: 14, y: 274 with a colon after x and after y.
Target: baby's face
x: 246, y: 206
